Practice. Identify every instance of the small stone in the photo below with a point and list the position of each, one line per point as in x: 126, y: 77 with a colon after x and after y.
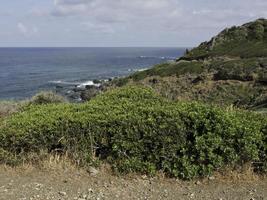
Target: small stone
x: 144, y: 176
x: 192, y: 195
x: 62, y: 193
x: 198, y: 183
x: 90, y: 190
x: 211, y: 178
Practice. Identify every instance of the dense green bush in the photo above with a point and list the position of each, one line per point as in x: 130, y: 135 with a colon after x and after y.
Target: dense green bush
x: 135, y: 130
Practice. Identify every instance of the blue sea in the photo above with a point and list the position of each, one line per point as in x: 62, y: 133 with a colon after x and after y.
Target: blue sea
x: 26, y: 71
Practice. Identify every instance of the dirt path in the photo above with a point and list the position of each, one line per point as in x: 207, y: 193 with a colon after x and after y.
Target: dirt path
x: 36, y: 184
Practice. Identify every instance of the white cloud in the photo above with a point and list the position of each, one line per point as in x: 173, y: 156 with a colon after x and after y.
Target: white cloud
x: 98, y: 28
x: 128, y: 22
x: 22, y: 28
x: 27, y: 31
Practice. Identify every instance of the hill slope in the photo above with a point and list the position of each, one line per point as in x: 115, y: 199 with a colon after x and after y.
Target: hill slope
x: 230, y: 69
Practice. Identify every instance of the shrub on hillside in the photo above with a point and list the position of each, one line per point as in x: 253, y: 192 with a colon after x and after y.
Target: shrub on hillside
x: 135, y: 130
x: 9, y: 107
x: 46, y: 98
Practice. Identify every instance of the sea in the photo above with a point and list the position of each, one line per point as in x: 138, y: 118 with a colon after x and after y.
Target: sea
x: 27, y: 71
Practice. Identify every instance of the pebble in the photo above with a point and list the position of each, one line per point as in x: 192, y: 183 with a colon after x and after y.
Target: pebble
x: 198, y: 183
x: 192, y: 195
x: 62, y: 193
x: 211, y: 178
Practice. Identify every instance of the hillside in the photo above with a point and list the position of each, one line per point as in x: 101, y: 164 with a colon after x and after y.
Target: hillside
x: 230, y: 69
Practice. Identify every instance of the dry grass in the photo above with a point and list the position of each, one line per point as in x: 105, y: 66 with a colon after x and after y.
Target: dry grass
x: 244, y: 174
x: 9, y: 107
x: 51, y: 163
x: 55, y: 164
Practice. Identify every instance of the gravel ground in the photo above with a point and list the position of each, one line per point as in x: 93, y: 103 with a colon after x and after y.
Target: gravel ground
x: 33, y: 184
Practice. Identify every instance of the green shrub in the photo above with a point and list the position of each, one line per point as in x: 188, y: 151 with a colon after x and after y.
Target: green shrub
x: 135, y: 130
x: 46, y: 98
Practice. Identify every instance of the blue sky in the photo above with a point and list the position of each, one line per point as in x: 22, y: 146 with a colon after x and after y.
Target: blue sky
x: 121, y: 22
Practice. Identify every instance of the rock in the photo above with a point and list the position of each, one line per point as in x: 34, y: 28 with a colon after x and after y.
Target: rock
x: 90, y: 92
x: 62, y: 193
x: 211, y: 178
x: 198, y: 183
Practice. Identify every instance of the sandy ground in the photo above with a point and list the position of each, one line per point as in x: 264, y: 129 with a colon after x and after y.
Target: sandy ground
x: 63, y: 184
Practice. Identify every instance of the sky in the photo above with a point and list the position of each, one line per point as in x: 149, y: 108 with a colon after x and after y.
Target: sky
x: 120, y: 23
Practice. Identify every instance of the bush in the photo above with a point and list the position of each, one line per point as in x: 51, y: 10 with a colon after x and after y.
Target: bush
x: 46, y: 98
x: 9, y: 107
x: 135, y: 130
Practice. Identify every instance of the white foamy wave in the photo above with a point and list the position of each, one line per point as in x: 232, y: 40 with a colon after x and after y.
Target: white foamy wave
x: 157, y: 57
x: 77, y: 84
x: 137, y: 70
x: 140, y: 70
x: 63, y: 82
x: 84, y: 84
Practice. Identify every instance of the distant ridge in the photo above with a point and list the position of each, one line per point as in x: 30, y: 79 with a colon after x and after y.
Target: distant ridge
x: 248, y: 40
x: 230, y: 69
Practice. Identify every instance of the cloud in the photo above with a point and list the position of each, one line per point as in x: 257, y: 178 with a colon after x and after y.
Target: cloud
x: 27, y: 31
x: 97, y: 8
x: 161, y: 13
x: 130, y: 22
x: 98, y: 28
x: 22, y: 28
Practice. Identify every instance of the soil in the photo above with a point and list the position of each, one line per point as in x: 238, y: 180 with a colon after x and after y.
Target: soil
x: 36, y: 184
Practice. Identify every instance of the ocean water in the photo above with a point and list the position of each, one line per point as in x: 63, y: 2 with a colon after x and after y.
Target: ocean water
x: 26, y: 71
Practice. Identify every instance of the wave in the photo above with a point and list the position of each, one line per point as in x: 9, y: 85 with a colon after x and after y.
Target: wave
x: 60, y: 82
x: 84, y: 84
x: 157, y: 57
x: 137, y: 70
x: 76, y: 84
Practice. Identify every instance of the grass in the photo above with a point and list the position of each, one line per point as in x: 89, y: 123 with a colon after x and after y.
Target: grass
x: 9, y: 107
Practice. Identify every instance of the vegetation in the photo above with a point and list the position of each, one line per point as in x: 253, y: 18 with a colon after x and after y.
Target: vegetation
x: 46, y: 98
x: 230, y: 69
x: 135, y: 130
x: 10, y: 107
x: 244, y: 41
